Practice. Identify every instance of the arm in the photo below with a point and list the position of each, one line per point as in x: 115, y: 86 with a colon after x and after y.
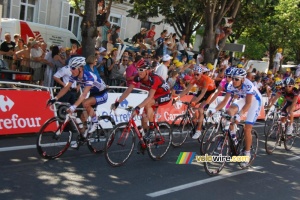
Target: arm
x: 58, y: 80
x: 83, y: 95
x: 203, y: 91
x: 295, y: 99
x: 223, y: 103
x: 216, y: 94
x: 186, y: 90
x: 63, y: 91
x: 273, y: 100
x: 148, y: 99
x: 126, y: 93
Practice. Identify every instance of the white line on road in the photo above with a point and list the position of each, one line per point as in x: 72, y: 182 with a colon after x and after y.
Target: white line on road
x: 294, y: 158
x: 201, y: 182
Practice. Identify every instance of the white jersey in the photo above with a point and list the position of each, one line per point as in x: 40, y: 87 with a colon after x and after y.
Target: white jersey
x: 247, y: 88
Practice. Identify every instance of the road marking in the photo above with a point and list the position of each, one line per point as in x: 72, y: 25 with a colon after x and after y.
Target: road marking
x: 201, y: 182
x: 294, y: 158
x: 3, y: 149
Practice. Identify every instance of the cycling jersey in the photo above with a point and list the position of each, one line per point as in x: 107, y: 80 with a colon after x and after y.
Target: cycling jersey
x: 289, y: 96
x: 90, y: 79
x: 223, y: 85
x: 204, y: 82
x: 155, y: 82
x: 247, y: 88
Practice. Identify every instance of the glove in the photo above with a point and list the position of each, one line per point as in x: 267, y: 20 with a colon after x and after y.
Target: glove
x: 212, y: 111
x: 193, y: 104
x: 237, y: 117
x: 72, y: 108
x: 51, y: 101
x: 114, y: 105
x: 137, y: 110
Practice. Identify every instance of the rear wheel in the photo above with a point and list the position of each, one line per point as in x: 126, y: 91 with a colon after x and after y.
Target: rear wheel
x: 272, y: 138
x: 217, y: 147
x: 119, y: 144
x: 96, y: 141
x: 159, y: 146
x: 54, y: 138
x: 181, y: 127
x: 290, y: 139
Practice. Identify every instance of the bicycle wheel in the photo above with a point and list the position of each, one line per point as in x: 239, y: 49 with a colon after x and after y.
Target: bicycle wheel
x: 270, y: 119
x: 97, y: 140
x: 272, y: 138
x: 208, y: 134
x: 54, y: 138
x: 253, y: 148
x: 290, y: 139
x: 217, y: 147
x: 181, y: 127
x: 119, y: 145
x: 159, y: 146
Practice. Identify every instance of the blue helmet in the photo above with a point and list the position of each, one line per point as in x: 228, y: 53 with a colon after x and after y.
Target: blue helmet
x: 229, y: 71
x: 239, y: 72
x: 289, y: 81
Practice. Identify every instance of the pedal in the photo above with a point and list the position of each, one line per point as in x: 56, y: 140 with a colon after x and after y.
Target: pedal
x: 140, y: 149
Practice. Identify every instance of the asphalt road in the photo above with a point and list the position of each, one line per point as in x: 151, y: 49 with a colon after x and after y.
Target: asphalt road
x: 82, y: 175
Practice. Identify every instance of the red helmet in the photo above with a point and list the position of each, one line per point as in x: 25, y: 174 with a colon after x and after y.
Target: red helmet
x: 140, y: 63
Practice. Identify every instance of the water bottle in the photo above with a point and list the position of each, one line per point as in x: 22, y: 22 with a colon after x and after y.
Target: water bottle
x: 141, y: 130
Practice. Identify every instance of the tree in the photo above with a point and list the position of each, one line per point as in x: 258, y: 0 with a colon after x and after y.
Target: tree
x: 185, y: 16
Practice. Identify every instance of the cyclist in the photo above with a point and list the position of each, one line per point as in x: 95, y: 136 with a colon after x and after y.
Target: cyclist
x: 249, y: 100
x: 206, y: 87
x: 89, y: 83
x: 290, y: 93
x: 159, y: 94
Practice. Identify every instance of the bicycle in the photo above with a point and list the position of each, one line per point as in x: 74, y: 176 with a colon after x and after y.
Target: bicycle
x: 223, y: 145
x: 121, y: 141
x: 55, y: 136
x: 277, y: 134
x: 183, y: 125
x: 271, y: 116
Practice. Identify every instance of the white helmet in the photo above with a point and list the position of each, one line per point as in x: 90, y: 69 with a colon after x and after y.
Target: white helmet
x: 77, y: 62
x: 198, y: 69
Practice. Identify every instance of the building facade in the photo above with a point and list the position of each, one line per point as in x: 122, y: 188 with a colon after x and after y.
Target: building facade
x: 59, y: 13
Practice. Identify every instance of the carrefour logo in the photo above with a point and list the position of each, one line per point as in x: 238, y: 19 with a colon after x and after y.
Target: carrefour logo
x: 6, y: 103
x: 124, y: 103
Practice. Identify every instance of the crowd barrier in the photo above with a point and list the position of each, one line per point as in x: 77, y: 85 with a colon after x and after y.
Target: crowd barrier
x: 24, y: 110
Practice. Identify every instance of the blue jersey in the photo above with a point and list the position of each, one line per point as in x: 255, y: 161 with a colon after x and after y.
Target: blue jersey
x: 90, y: 79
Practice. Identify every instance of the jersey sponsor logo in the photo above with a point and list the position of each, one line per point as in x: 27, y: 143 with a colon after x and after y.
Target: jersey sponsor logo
x: 165, y: 86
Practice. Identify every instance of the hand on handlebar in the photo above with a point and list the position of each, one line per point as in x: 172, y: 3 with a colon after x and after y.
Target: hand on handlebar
x: 50, y: 102
x: 114, y: 106
x: 71, y: 109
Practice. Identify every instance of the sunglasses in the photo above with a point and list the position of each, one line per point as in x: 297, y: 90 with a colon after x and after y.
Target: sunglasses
x: 73, y: 68
x: 141, y: 70
x: 228, y: 76
x: 196, y: 74
x: 236, y: 79
x: 290, y: 85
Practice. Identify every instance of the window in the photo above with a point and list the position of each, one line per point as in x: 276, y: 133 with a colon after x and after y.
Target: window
x: 115, y: 20
x: 146, y: 25
x: 27, y: 10
x: 74, y: 22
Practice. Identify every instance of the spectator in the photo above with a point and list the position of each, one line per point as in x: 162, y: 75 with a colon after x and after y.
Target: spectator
x: 162, y: 69
x: 24, y: 57
x: 90, y: 66
x: 7, y: 50
x: 36, y: 54
x: 277, y: 59
x: 115, y: 38
x: 105, y: 30
x: 16, y: 62
x: 74, y: 49
x: 150, y: 36
x: 160, y: 45
x: 131, y: 72
x: 140, y: 39
x: 182, y: 48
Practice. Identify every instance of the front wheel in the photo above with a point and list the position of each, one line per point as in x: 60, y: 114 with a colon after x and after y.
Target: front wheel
x: 290, y: 139
x: 159, y: 146
x: 119, y: 144
x: 54, y: 138
x: 181, y: 127
x: 97, y: 139
x: 217, y: 148
x: 208, y: 134
x: 272, y: 138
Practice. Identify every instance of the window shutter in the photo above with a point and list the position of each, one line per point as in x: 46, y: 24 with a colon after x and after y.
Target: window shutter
x: 43, y: 11
x: 15, y: 9
x: 65, y: 11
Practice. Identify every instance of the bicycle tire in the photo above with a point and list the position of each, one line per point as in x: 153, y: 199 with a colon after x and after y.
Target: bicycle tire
x: 118, y: 150
x: 208, y: 134
x: 96, y: 141
x: 217, y: 146
x: 160, y: 144
x: 181, y: 127
x: 253, y: 148
x: 270, y: 119
x: 272, y: 138
x: 52, y: 142
x: 289, y: 140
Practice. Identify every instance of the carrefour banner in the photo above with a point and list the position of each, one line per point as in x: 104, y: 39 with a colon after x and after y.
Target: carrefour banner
x: 23, y: 111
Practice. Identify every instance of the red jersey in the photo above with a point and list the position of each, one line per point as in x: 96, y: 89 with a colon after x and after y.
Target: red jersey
x: 204, y: 82
x: 154, y: 82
